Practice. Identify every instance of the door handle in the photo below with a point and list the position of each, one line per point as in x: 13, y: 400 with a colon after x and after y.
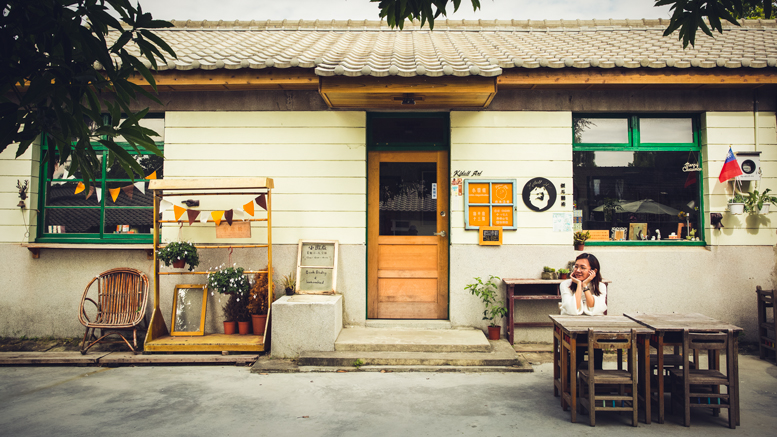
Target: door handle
x: 441, y: 233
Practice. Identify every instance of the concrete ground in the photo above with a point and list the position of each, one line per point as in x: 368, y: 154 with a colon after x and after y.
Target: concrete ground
x: 221, y: 400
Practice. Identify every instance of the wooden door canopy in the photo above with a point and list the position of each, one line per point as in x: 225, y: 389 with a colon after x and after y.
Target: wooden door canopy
x: 407, y: 93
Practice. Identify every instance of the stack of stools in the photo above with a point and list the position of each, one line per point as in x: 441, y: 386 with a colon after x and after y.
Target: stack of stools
x: 767, y: 326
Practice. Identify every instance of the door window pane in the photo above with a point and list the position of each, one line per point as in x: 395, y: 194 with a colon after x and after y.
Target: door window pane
x: 601, y: 130
x: 406, y: 203
x: 665, y: 130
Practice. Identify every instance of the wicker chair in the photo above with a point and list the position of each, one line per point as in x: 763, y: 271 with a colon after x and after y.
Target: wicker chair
x: 120, y: 303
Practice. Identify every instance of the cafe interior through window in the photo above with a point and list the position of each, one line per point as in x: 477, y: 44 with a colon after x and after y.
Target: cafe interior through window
x: 637, y: 179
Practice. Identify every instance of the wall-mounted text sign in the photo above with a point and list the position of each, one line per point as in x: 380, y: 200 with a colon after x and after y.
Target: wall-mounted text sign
x: 490, y: 236
x: 317, y: 266
x: 489, y: 203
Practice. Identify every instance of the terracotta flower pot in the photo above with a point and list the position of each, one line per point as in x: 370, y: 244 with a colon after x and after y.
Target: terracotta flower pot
x: 580, y: 246
x: 229, y: 327
x: 494, y: 332
x: 259, y: 321
x: 244, y: 327
x: 563, y: 275
x: 179, y: 264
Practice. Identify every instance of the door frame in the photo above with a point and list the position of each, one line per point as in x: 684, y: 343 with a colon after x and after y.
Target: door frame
x: 442, y: 158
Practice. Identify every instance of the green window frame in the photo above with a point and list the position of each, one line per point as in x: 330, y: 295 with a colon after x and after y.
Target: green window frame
x: 376, y: 120
x: 634, y: 144
x: 106, y: 205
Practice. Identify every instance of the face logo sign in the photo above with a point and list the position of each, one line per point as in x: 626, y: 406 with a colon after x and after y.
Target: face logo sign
x: 539, y: 194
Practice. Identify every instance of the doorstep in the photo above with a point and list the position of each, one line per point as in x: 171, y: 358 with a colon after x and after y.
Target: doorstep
x: 121, y: 359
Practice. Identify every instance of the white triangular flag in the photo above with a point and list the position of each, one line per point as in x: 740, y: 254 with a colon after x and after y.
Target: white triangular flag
x: 204, y: 218
x: 164, y: 205
x: 140, y: 186
x: 238, y: 215
x: 99, y: 193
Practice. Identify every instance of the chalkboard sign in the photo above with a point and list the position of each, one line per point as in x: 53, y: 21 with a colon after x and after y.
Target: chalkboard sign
x: 317, y: 266
x: 490, y: 235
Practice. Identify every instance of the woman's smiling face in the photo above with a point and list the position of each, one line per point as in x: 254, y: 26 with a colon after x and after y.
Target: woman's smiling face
x: 581, y: 269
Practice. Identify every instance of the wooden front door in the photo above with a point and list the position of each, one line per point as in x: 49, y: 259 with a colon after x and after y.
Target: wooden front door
x: 407, y: 235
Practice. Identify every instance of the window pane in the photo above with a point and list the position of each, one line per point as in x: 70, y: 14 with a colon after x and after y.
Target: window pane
x: 601, y: 130
x: 72, y: 220
x: 128, y: 221
x: 665, y: 130
x: 155, y: 124
x: 408, y: 130
x: 637, y: 190
x: 149, y: 163
x: 406, y: 204
x: 127, y: 195
x: 64, y: 194
x: 63, y: 171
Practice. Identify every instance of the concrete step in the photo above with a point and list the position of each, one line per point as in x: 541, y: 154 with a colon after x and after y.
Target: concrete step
x: 363, y: 339
x: 501, y: 354
x: 409, y: 324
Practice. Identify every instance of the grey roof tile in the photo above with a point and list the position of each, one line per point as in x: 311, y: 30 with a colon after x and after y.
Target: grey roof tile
x: 459, y: 48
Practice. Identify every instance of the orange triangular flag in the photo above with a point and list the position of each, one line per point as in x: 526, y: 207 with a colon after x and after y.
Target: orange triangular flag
x: 91, y: 191
x: 152, y: 175
x: 178, y: 212
x: 262, y: 201
x: 192, y: 215
x: 249, y: 208
x: 217, y: 215
x: 128, y: 190
x: 228, y: 216
x: 114, y: 193
x: 81, y: 187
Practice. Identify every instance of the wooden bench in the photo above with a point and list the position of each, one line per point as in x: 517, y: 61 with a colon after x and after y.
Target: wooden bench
x: 766, y: 342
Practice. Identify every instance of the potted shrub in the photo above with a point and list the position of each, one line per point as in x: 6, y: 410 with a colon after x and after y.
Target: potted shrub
x: 236, y: 312
x: 736, y: 205
x: 580, y: 238
x: 288, y: 282
x: 231, y: 281
x: 179, y: 253
x: 758, y: 203
x: 548, y: 273
x: 487, y: 292
x: 257, y: 303
x: 563, y: 273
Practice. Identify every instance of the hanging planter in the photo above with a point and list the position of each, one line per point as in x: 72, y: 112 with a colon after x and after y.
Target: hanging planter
x: 736, y: 208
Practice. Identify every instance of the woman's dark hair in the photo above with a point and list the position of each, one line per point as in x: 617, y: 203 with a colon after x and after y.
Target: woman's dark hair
x: 594, y: 263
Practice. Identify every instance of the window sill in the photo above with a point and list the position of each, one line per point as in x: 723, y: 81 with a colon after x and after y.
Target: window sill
x: 35, y: 248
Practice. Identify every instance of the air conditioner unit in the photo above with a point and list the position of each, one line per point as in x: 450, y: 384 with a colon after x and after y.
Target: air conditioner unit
x: 750, y: 164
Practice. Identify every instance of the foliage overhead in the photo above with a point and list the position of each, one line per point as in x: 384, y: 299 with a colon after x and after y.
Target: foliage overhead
x: 397, y: 11
x: 59, y: 74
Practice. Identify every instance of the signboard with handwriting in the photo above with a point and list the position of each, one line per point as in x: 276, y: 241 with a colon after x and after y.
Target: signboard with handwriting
x: 317, y: 266
x: 489, y: 202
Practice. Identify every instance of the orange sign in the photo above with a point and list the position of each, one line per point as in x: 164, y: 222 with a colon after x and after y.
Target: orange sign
x: 503, y: 193
x: 502, y: 215
x: 478, y: 193
x: 478, y: 215
x: 599, y: 235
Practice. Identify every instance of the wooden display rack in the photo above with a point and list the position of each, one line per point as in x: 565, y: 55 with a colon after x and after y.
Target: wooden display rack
x: 158, y: 338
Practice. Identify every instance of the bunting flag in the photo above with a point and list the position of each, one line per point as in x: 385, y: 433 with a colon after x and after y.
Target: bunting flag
x: 164, y: 205
x: 141, y: 186
x: 178, y: 212
x: 249, y: 208
x: 192, y: 215
x: 80, y: 187
x: 217, y: 215
x: 128, y: 190
x: 204, y: 218
x: 228, y: 215
x: 152, y: 175
x: 262, y: 201
x: 91, y: 191
x: 114, y: 193
x: 99, y: 193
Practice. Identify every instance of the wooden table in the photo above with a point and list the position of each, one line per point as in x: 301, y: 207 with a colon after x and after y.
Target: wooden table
x: 674, y: 324
x: 566, y: 330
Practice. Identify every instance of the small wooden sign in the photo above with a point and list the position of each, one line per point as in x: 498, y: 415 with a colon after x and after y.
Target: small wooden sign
x: 317, y: 266
x: 237, y: 230
x: 490, y: 235
x: 599, y: 235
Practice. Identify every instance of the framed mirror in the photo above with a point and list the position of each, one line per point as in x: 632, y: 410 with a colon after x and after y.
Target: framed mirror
x: 189, y: 305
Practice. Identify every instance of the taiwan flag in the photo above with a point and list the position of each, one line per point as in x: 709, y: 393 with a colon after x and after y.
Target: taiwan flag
x: 730, y: 167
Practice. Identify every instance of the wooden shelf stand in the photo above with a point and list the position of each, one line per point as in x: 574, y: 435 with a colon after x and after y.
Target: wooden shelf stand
x: 767, y: 329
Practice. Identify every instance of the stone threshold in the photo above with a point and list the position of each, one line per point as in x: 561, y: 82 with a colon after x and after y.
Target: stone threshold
x: 111, y: 359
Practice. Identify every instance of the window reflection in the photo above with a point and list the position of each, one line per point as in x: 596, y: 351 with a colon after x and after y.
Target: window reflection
x: 666, y: 130
x: 601, y: 130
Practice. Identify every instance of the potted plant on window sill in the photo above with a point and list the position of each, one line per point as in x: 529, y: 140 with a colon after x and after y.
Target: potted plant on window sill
x: 487, y: 292
x: 736, y: 205
x: 580, y: 238
x: 288, y: 282
x: 232, y: 282
x: 758, y: 203
x: 179, y: 253
x: 257, y: 303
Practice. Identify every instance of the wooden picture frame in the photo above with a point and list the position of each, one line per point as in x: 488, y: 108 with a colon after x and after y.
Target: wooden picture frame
x: 317, y: 266
x: 490, y: 236
x: 185, y: 320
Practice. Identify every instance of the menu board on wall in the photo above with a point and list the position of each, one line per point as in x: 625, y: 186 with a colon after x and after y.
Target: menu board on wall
x: 489, y: 203
x: 317, y: 266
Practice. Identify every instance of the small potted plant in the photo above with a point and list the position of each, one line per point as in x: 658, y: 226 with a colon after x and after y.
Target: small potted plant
x: 230, y: 281
x: 257, y: 303
x: 236, y: 313
x: 487, y: 292
x: 736, y: 205
x: 288, y: 282
x: 580, y: 238
x: 563, y: 273
x: 758, y: 203
x: 548, y: 273
x: 179, y: 253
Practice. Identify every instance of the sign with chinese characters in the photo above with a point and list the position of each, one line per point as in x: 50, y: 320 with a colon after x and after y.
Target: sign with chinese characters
x: 478, y: 193
x: 490, y: 235
x: 489, y: 203
x: 539, y: 194
x: 317, y: 266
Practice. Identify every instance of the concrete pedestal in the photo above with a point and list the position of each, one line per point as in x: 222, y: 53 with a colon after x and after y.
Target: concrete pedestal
x: 305, y: 323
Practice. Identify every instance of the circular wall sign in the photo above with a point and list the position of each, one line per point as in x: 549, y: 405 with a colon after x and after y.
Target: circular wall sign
x: 539, y: 194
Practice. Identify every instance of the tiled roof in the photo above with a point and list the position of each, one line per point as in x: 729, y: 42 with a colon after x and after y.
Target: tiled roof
x: 461, y: 48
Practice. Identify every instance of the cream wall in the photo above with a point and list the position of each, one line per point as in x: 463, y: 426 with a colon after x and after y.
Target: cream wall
x: 15, y: 223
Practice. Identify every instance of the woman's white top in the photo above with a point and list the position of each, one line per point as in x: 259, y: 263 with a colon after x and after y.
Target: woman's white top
x: 568, y: 305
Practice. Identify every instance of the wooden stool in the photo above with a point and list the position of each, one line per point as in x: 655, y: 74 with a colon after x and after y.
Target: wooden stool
x: 766, y: 342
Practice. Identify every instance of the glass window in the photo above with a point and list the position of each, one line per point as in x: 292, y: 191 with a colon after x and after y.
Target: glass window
x: 601, y: 130
x: 640, y: 191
